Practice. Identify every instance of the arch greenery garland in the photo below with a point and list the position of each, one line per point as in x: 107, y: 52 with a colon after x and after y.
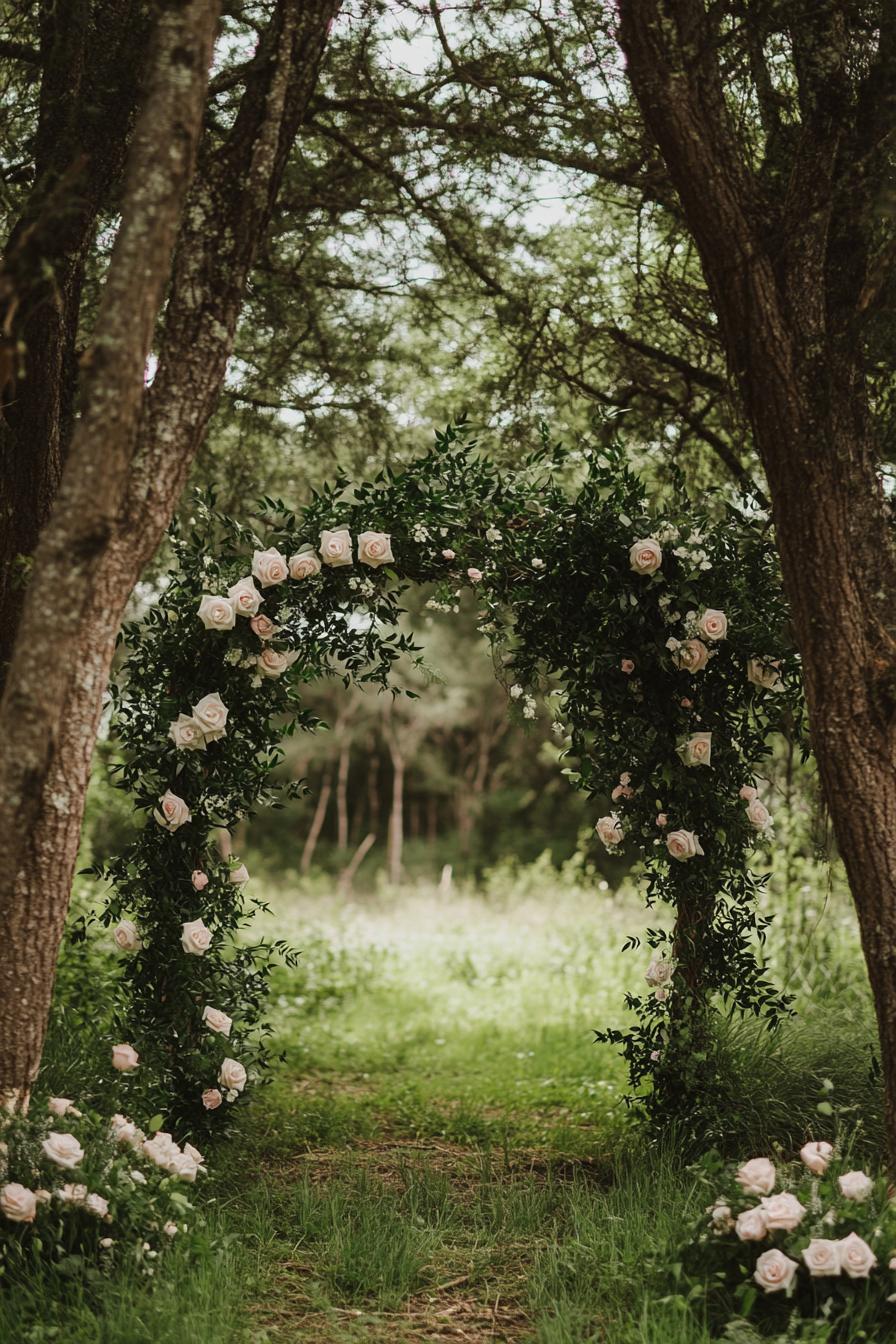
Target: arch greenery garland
x: 661, y: 641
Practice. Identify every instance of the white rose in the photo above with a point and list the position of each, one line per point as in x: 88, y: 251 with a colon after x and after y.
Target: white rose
x: 774, y: 1271
x: 762, y: 672
x: 817, y: 1156
x: 646, y: 556
x: 187, y: 734
x: 232, y: 1075
x: 124, y: 1131
x: 269, y: 567
x: 855, y: 1185
x: 659, y: 972
x: 782, y: 1212
x: 756, y: 1177
x: 183, y: 1166
x: 63, y: 1149
x: 751, y: 1225
x: 211, y: 1098
x: 216, y: 1020
x: 691, y: 656
x: 856, y: 1256
x: 822, y: 1258
x: 126, y: 937
x: 211, y: 714
x: 719, y: 1214
x: 124, y: 1058
x: 71, y: 1194
x: 305, y: 563
x: 758, y: 815
x: 375, y: 549
x: 272, y: 663
x: 17, y: 1203
x: 193, y: 1154
x: 245, y: 597
x: 697, y: 750
x: 61, y: 1106
x: 195, y: 938
x: 170, y: 1229
x: 713, y: 624
x: 610, y: 831
x: 96, y: 1204
x: 336, y: 547
x: 172, y: 811
x: 239, y: 876
x: 217, y: 613
x: 683, y: 845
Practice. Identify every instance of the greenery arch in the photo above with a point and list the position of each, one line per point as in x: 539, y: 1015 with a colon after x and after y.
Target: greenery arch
x: 663, y: 640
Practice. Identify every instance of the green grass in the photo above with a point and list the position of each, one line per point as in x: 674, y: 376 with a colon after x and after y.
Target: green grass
x: 445, y: 1154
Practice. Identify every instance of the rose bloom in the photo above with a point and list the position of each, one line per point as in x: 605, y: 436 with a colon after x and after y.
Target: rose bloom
x: 211, y: 714
x: 659, y: 972
x: 822, y: 1258
x: 124, y: 1058
x: 61, y: 1106
x: 199, y: 879
x: 172, y: 811
x: 764, y: 673
x: 304, y: 564
x: 782, y: 1212
x: 448, y: 554
x: 816, y: 1156
x: 375, y: 549
x: 691, y: 656
x: 195, y: 938
x: 856, y: 1256
x: 18, y: 1203
x: 125, y: 936
x: 170, y: 1229
x: 748, y: 793
x: 269, y: 567
x: 336, y: 547
x: 662, y: 819
x: 63, y: 1149
x: 217, y: 613
x: 187, y: 734
x: 627, y: 666
x: 855, y: 1185
x: 245, y: 597
x: 661, y: 994
x: 751, y: 1225
x: 713, y: 624
x: 239, y: 876
x: 263, y: 627
x: 232, y: 1075
x: 774, y: 1271
x: 719, y: 1214
x: 96, y: 1204
x: 683, y: 845
x: 697, y: 750
x: 610, y: 831
x: 71, y: 1194
x: 211, y: 1098
x: 272, y: 663
x: 474, y: 575
x: 646, y: 556
x: 125, y: 1131
x: 216, y: 1020
x: 686, y: 704
x: 758, y: 815
x: 756, y: 1177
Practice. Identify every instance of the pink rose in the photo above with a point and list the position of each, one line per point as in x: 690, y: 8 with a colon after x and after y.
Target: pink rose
x: 758, y: 815
x: 646, y: 556
x: 748, y: 793
x: 697, y: 750
x: 211, y: 1099
x: 124, y: 1058
x: 713, y: 624
x: 691, y: 656
x: 263, y: 627
x: 304, y: 564
x: 239, y: 876
x: 474, y: 575
x: 448, y: 554
x: 750, y: 1225
x: 336, y: 547
x: 855, y: 1185
x: 774, y: 1271
x: 683, y: 845
x: 627, y: 666
x: 856, y: 1256
x: 662, y: 819
x: 217, y: 1020
x: 822, y: 1258
x: 686, y: 704
x: 764, y: 673
x: 172, y: 812
x: 756, y: 1177
x: 272, y: 663
x: 18, y: 1203
x: 783, y: 1212
x: 269, y: 567
x: 195, y: 938
x: 199, y: 879
x: 610, y: 831
x: 217, y: 613
x: 817, y: 1156
x: 211, y: 714
x: 245, y: 597
x: 375, y: 549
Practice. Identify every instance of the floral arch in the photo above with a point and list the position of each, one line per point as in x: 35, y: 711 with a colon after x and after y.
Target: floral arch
x: 664, y: 638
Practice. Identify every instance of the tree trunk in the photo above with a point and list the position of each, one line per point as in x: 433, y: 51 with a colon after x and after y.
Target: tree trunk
x: 43, y: 776
x: 72, y: 570
x: 347, y: 876
x: 317, y: 823
x: 790, y: 309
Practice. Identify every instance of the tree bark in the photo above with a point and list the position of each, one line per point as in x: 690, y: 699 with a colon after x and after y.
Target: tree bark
x: 43, y: 780
x: 317, y: 823
x: 789, y: 307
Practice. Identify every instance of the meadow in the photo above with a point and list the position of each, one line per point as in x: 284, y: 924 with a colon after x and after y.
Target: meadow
x: 444, y: 1153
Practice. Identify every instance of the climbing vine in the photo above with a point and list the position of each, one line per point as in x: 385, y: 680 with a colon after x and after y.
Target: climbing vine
x: 661, y: 639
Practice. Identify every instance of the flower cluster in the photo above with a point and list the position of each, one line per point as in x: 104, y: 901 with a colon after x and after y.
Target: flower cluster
x: 812, y: 1237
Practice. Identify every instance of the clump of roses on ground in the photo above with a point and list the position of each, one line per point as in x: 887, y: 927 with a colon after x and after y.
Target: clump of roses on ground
x: 788, y: 1241
x: 79, y: 1190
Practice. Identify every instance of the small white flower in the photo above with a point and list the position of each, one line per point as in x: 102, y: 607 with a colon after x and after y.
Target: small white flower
x: 536, y: 563
x: 492, y: 534
x: 516, y: 691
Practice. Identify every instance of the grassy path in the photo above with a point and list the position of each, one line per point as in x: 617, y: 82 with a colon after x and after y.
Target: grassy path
x: 442, y: 1156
